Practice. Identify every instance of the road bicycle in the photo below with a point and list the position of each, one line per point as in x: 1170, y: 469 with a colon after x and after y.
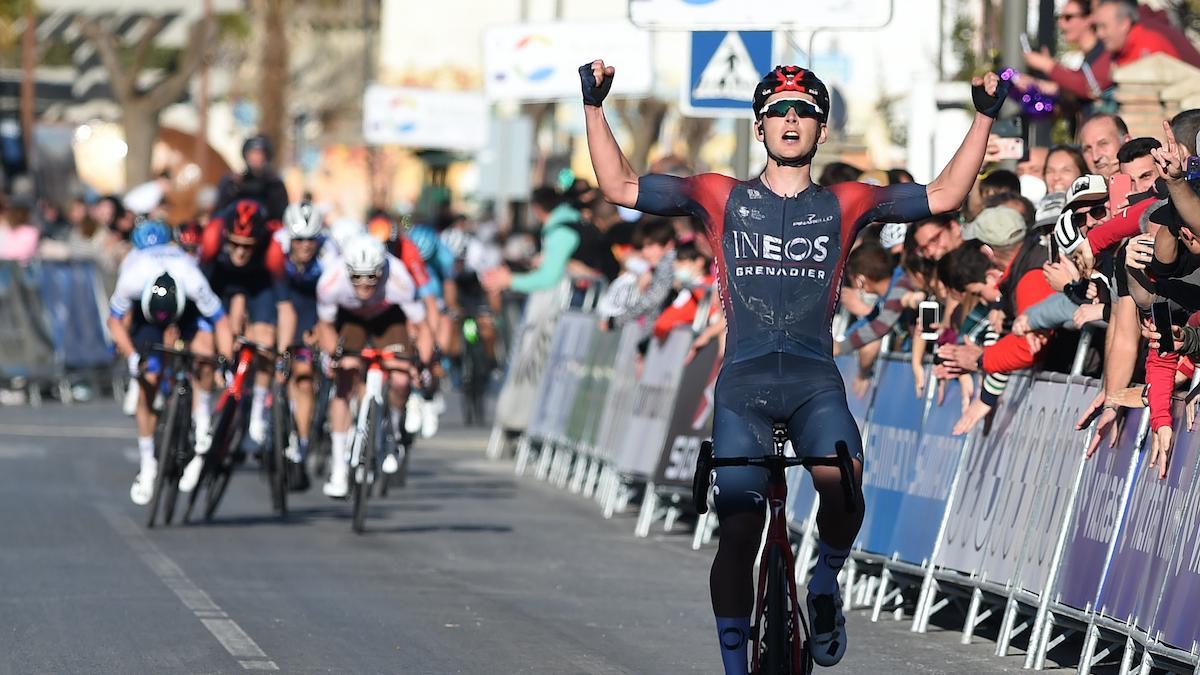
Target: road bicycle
x: 780, y: 634
x: 283, y: 426
x: 174, y: 439
x: 232, y: 413
x: 373, y: 433
x: 476, y: 373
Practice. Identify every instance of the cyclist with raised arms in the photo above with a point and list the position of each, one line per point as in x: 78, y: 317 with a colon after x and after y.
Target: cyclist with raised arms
x: 781, y: 242
x: 160, y: 285
x: 370, y: 297
x: 306, y: 255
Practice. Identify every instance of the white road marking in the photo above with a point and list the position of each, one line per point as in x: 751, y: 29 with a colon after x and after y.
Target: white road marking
x: 48, y: 431
x: 21, y: 451
x: 231, y: 636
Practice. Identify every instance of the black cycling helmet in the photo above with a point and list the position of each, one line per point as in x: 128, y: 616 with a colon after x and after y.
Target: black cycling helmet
x: 792, y: 78
x: 245, y: 220
x: 258, y: 142
x: 163, y: 301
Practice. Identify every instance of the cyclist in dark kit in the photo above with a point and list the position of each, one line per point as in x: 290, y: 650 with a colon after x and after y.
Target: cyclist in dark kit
x: 781, y: 242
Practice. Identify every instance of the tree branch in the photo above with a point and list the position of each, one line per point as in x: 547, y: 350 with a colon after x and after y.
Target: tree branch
x: 169, y: 89
x: 142, y: 49
x: 105, y: 44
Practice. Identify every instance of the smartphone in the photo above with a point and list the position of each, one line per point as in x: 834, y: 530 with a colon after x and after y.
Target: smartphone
x: 1025, y: 43
x: 1052, y: 243
x: 1011, y: 139
x: 1193, y: 168
x: 1119, y: 187
x: 1161, y: 311
x: 930, y: 314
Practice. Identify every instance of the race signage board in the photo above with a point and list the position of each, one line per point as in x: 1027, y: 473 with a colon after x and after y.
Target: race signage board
x: 425, y: 118
x: 759, y: 14
x: 540, y: 62
x: 723, y: 70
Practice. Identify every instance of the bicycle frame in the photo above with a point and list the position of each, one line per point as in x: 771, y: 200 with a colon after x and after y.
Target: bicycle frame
x: 777, y: 541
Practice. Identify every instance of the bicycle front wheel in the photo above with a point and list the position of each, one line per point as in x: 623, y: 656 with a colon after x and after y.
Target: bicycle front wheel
x: 165, y: 451
x: 778, y: 636
x: 361, y: 473
x: 276, y: 467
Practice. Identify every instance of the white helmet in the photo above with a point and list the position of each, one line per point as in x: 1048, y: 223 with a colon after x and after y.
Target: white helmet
x: 344, y: 229
x: 364, y: 255
x: 302, y: 221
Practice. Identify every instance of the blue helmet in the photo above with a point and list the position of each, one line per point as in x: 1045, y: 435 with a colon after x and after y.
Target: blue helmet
x: 425, y: 239
x: 150, y: 233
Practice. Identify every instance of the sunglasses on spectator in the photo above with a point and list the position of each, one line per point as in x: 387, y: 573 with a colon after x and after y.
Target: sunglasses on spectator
x: 364, y: 279
x: 803, y: 108
x: 1096, y: 212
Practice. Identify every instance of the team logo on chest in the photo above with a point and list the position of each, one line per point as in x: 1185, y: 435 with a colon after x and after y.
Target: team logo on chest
x: 767, y: 255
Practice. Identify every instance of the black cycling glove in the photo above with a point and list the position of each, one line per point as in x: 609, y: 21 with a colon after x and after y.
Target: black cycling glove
x: 987, y: 104
x: 592, y: 94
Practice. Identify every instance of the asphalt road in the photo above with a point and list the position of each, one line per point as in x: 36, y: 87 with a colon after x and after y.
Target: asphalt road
x: 468, y: 570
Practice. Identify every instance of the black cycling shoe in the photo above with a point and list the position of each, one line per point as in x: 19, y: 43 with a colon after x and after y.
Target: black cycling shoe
x: 297, y: 475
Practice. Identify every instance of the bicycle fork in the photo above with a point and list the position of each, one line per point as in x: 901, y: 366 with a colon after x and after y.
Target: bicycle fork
x: 373, y: 391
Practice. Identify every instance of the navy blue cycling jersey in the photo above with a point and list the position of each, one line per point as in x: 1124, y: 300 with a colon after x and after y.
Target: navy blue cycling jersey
x: 779, y: 259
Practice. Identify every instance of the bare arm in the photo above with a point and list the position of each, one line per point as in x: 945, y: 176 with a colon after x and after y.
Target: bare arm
x: 616, y: 177
x: 950, y: 188
x: 952, y: 185
x: 1119, y: 364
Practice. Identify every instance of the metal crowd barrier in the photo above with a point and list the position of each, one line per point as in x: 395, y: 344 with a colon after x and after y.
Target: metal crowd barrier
x: 1008, y: 522
x: 52, y: 327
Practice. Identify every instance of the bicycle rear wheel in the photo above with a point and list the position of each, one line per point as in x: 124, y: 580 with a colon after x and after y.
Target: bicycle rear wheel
x: 779, y: 633
x: 281, y: 427
x: 165, y: 452
x: 361, y: 474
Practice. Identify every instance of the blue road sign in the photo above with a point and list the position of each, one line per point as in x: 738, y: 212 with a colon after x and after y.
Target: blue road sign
x: 724, y: 68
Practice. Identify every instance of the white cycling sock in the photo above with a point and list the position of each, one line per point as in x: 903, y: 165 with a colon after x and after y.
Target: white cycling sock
x: 825, y: 572
x: 337, y: 450
x: 146, y: 450
x: 258, y: 404
x: 733, y: 634
x: 202, y: 412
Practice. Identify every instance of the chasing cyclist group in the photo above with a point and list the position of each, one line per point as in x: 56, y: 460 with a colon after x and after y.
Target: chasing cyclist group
x: 318, y: 294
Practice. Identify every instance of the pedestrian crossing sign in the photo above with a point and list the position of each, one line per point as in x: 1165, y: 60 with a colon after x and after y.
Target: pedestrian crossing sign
x: 724, y: 69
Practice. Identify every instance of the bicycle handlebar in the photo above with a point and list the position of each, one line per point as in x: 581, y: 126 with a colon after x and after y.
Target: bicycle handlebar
x: 705, y: 463
x: 182, y: 354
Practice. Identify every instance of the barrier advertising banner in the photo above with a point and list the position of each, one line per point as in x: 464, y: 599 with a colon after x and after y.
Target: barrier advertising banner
x: 691, y: 422
x: 924, y: 502
x: 618, y: 403
x: 1016, y: 482
x: 653, y: 401
x: 966, y: 535
x: 1098, y: 510
x: 76, y: 324
x: 1149, y: 528
x: 544, y: 412
x: 848, y: 366
x: 1176, y: 616
x: 531, y: 349
x: 1062, y: 453
x: 891, y: 453
x: 25, y: 343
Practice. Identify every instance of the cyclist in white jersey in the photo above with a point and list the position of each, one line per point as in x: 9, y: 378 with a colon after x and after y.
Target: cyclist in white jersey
x: 370, y: 297
x: 160, y: 287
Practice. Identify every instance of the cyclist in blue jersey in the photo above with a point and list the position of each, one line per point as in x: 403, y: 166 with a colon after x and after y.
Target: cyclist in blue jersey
x: 781, y: 242
x: 306, y: 254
